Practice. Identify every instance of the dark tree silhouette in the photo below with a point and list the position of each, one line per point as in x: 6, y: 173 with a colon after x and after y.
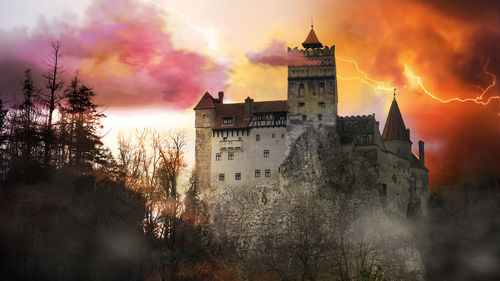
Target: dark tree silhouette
x: 80, y: 122
x: 24, y: 139
x: 54, y: 84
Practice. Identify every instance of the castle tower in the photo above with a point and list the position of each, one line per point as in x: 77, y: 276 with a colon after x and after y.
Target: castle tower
x: 396, y: 137
x: 204, y: 121
x: 312, y: 86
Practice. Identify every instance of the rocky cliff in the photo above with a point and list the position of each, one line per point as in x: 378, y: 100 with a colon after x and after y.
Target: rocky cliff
x: 325, y: 219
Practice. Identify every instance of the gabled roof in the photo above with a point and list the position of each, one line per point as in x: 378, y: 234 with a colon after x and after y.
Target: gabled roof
x: 395, y: 128
x: 312, y: 40
x: 206, y: 102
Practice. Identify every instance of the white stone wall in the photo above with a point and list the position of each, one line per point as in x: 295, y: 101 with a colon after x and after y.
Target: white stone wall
x: 249, y: 157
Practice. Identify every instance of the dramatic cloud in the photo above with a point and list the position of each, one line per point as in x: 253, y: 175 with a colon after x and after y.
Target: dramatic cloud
x: 123, y: 49
x: 276, y: 55
x: 432, y: 51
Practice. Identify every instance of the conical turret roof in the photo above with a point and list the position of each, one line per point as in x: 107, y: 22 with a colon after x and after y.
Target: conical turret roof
x: 312, y: 40
x: 395, y: 128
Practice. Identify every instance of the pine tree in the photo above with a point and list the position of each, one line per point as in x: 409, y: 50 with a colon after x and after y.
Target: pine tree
x: 3, y: 156
x: 24, y: 139
x: 80, y: 125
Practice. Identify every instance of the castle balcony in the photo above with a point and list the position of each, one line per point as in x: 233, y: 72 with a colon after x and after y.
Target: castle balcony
x: 230, y: 144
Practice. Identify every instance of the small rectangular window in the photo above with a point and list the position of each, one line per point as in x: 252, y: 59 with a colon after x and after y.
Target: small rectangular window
x: 221, y: 177
x: 273, y: 136
x: 268, y: 173
x: 217, y: 156
x: 302, y: 104
x: 301, y: 90
x: 321, y: 104
x: 257, y: 137
x: 282, y: 136
x: 237, y: 176
x: 257, y: 173
x: 321, y: 89
x: 266, y: 153
x: 320, y: 117
x: 230, y: 155
x: 227, y: 120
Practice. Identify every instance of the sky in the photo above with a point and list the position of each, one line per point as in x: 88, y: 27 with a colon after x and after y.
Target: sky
x: 149, y: 61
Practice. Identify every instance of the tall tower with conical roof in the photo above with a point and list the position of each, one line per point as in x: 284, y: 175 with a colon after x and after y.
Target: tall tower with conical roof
x: 396, y: 136
x: 312, y: 86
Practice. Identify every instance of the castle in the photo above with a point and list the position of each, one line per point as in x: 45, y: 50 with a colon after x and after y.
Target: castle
x: 244, y: 144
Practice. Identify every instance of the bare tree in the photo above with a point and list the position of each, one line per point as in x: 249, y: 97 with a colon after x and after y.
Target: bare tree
x: 53, y: 84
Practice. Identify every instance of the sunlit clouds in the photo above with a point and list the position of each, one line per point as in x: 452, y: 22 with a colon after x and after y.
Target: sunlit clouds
x: 143, y: 54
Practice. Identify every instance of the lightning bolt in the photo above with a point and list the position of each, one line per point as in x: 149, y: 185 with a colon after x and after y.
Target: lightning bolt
x: 380, y: 85
x: 479, y: 99
x: 376, y: 85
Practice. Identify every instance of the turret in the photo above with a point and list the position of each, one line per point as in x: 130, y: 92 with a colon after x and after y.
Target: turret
x: 396, y: 137
x: 312, y: 86
x: 204, y: 121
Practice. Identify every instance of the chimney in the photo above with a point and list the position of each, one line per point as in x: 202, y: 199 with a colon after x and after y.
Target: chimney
x: 248, y: 108
x: 221, y: 97
x: 421, y: 153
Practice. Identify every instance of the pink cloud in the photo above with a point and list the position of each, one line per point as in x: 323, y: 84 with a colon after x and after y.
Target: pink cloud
x: 276, y: 55
x: 123, y: 52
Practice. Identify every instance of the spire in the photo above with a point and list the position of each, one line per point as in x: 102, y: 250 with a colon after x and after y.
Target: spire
x: 312, y: 40
x: 395, y: 128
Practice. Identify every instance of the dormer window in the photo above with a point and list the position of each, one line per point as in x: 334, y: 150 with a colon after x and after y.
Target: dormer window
x: 227, y: 120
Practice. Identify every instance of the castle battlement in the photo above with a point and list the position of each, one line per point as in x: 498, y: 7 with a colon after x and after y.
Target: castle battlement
x: 314, y: 52
x: 244, y: 144
x: 357, y: 117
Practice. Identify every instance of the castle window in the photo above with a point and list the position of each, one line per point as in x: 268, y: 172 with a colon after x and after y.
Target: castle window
x: 217, y: 156
x: 221, y: 177
x: 273, y: 136
x: 321, y: 104
x: 312, y: 88
x: 237, y: 176
x: 320, y: 117
x: 257, y: 173
x: 302, y: 104
x: 268, y: 173
x: 321, y: 89
x: 230, y: 156
x: 266, y: 153
x: 304, y: 117
x: 282, y: 136
x: 227, y: 120
x: 257, y: 137
x: 301, y: 90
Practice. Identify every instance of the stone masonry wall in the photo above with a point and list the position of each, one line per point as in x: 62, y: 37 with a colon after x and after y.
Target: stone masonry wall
x: 327, y: 207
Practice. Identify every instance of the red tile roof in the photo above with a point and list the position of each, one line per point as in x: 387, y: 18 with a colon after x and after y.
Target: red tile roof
x: 206, y: 102
x: 312, y: 40
x: 395, y: 128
